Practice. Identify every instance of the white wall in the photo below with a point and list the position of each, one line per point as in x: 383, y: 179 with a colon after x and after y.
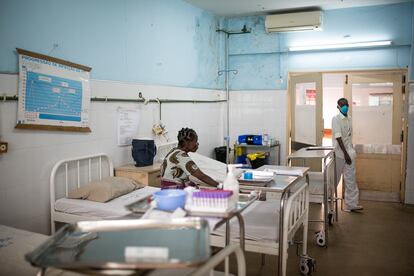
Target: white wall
x: 25, y: 168
x: 258, y: 112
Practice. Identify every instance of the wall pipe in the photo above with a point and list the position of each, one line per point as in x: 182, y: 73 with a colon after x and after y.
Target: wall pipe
x: 106, y: 99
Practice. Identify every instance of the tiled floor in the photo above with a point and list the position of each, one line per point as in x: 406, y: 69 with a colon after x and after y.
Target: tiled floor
x: 377, y: 241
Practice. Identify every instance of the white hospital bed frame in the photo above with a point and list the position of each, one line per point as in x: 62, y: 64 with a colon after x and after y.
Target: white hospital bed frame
x: 76, y: 163
x: 329, y: 196
x: 294, y: 211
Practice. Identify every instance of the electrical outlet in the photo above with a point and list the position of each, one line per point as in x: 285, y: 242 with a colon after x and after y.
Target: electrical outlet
x: 3, y: 147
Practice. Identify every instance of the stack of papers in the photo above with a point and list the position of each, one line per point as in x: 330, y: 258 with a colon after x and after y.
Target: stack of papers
x: 296, y: 172
x: 262, y: 174
x: 259, y: 176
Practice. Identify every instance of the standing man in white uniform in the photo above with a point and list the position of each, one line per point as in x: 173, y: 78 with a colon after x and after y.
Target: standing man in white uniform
x: 345, y: 155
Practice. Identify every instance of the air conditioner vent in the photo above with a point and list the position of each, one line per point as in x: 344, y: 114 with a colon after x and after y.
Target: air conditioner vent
x: 290, y: 22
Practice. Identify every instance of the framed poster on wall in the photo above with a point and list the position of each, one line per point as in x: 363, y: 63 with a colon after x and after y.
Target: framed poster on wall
x: 54, y: 94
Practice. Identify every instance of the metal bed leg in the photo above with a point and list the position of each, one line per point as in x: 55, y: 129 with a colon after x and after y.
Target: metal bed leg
x: 306, y: 264
x: 263, y: 257
x: 242, y: 231
x: 336, y: 205
x: 343, y: 193
x: 41, y: 272
x: 336, y: 187
x: 218, y: 258
x: 325, y: 207
x: 305, y: 236
x: 283, y: 198
x: 227, y: 242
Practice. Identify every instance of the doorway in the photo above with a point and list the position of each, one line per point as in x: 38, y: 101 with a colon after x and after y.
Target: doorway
x: 376, y: 107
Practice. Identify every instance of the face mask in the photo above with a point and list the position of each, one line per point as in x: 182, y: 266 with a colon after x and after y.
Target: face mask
x: 344, y: 109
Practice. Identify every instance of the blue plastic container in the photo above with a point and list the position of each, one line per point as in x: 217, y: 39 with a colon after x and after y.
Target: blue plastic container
x: 257, y: 140
x: 170, y: 199
x: 242, y: 159
x: 248, y: 175
x: 242, y: 139
x: 250, y: 139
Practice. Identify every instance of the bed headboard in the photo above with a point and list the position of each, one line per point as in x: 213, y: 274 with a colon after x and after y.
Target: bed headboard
x: 72, y: 173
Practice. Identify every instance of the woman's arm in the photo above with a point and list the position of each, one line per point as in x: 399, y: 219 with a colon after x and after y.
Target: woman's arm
x: 205, y: 178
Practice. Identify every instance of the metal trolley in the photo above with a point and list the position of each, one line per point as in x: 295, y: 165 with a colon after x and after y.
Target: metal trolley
x: 128, y: 246
x: 323, y: 178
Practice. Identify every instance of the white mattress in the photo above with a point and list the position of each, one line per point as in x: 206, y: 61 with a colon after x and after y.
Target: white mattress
x: 111, y: 209
x: 261, y: 222
x: 209, y: 166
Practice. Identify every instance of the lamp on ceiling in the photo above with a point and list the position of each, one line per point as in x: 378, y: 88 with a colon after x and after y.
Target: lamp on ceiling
x: 341, y: 46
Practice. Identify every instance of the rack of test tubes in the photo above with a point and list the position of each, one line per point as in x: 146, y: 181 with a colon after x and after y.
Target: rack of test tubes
x: 211, y: 201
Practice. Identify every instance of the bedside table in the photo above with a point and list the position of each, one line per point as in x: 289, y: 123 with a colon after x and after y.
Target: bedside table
x: 149, y: 175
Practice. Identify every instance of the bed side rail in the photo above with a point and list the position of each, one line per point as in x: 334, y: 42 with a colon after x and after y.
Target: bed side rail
x: 295, y: 214
x: 297, y: 208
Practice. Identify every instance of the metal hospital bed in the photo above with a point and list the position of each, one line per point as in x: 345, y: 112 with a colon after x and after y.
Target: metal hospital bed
x: 322, y: 186
x: 290, y: 212
x: 293, y: 207
x: 74, y: 172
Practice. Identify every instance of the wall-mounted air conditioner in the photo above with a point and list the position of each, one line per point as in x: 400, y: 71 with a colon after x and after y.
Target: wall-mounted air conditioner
x: 298, y: 21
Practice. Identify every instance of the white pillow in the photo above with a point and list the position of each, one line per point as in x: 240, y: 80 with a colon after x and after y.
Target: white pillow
x: 104, y: 190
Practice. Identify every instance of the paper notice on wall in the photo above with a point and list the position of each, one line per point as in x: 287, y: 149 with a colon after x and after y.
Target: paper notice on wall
x: 128, y: 120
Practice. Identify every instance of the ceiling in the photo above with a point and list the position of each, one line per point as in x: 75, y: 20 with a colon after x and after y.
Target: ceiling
x: 255, y: 7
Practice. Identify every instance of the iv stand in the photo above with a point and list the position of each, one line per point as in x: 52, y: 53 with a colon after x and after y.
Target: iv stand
x: 226, y: 82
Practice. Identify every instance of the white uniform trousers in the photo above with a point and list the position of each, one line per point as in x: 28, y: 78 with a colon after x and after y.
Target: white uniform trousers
x: 349, y: 179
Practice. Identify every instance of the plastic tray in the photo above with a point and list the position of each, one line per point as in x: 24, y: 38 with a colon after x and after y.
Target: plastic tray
x: 244, y: 201
x: 101, y: 245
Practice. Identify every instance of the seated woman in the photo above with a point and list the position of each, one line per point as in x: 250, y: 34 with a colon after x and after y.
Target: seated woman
x: 178, y: 166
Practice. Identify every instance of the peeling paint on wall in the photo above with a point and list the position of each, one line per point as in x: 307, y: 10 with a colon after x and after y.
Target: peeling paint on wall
x: 143, y: 41
x: 209, y: 47
x: 263, y: 60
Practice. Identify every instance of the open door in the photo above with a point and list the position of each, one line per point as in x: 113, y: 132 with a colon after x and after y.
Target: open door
x: 305, y: 104
x: 376, y: 111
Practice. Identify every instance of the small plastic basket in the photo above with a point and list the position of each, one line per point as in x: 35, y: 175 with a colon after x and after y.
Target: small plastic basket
x: 258, y: 159
x: 170, y: 199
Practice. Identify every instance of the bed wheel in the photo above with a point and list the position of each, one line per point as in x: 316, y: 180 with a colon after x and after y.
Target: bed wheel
x: 320, y: 238
x: 306, y: 265
x: 330, y: 218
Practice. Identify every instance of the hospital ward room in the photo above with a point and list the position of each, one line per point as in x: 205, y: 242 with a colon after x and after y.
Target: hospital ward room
x: 206, y: 137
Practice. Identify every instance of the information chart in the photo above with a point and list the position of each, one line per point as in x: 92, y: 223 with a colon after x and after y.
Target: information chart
x: 53, y: 94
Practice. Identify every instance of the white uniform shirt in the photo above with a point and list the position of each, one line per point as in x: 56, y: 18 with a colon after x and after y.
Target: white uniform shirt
x: 342, y: 127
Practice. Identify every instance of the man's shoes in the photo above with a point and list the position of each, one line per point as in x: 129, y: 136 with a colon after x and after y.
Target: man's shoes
x: 352, y: 209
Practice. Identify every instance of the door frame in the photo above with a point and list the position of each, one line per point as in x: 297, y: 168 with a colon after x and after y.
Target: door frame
x: 306, y: 78
x: 404, y: 112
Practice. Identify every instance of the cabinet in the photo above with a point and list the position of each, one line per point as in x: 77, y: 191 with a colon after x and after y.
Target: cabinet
x: 149, y: 175
x: 273, y: 150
